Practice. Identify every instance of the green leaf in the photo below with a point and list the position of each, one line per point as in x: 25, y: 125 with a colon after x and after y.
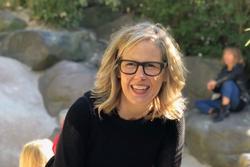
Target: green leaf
x: 247, y: 43
x: 83, y: 2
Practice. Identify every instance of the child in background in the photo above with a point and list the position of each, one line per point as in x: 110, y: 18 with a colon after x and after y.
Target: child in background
x: 61, y: 119
x: 36, y: 153
x: 230, y: 84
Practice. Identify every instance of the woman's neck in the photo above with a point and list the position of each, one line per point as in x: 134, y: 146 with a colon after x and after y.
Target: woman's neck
x: 130, y: 111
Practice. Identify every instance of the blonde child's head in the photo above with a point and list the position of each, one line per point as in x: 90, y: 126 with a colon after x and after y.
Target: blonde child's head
x: 36, y: 153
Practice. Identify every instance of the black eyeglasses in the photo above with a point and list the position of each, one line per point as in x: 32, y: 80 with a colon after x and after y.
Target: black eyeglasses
x: 150, y: 68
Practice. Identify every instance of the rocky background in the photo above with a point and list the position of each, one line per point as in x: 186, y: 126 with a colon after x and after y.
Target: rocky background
x: 44, y: 70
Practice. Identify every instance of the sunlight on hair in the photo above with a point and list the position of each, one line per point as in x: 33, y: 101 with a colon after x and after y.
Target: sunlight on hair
x: 36, y: 153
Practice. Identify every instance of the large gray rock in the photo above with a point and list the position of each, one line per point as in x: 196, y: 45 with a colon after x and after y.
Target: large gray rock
x: 40, y: 49
x: 29, y: 47
x: 64, y: 83
x: 218, y: 144
x: 9, y: 22
x: 22, y: 115
x: 200, y: 71
x: 78, y: 46
x: 189, y: 160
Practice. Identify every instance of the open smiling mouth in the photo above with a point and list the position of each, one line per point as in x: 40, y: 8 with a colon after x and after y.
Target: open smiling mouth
x: 140, y: 89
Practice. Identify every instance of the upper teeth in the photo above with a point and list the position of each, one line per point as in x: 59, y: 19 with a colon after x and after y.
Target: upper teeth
x: 139, y: 87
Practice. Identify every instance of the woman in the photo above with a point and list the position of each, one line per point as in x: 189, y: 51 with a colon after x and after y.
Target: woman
x: 36, y: 153
x: 134, y: 115
x: 230, y: 84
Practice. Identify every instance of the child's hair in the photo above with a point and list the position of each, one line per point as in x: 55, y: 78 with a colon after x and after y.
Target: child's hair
x: 36, y: 153
x: 236, y: 53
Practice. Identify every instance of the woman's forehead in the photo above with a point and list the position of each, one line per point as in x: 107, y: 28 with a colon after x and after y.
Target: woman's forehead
x: 145, y: 49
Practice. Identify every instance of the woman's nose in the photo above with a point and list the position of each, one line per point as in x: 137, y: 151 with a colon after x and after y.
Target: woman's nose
x: 140, y: 73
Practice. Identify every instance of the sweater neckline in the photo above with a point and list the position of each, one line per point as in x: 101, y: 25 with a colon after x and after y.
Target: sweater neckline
x: 133, y: 121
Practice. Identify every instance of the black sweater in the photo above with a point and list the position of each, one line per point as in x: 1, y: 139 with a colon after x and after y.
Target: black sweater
x: 88, y: 141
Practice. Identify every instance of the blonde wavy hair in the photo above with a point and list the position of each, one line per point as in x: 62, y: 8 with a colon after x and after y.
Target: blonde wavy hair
x: 169, y: 103
x: 238, y: 59
x: 36, y: 153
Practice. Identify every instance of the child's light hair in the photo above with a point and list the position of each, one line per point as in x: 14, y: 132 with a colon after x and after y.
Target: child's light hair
x: 169, y: 102
x: 36, y: 153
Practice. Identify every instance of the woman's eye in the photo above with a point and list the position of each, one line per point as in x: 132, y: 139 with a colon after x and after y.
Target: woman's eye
x: 130, y: 64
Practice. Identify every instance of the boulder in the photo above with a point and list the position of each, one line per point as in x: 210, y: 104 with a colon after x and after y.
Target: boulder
x: 200, y: 71
x: 190, y: 161
x: 22, y: 114
x: 77, y: 46
x: 10, y: 22
x: 62, y: 84
x: 29, y: 47
x: 41, y: 49
x: 218, y: 144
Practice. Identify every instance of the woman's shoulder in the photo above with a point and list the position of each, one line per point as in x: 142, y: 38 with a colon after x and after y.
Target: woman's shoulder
x: 175, y: 124
x: 175, y: 131
x: 81, y: 110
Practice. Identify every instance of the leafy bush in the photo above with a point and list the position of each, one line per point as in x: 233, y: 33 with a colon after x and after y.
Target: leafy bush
x: 68, y: 13
x: 64, y: 13
x: 9, y: 3
x: 201, y: 27
x: 248, y: 42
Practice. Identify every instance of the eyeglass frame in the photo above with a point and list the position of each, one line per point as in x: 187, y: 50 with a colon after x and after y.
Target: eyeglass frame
x: 162, y: 66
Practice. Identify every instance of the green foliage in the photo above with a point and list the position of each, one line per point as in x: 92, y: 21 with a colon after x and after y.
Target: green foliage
x: 112, y: 3
x: 248, y: 42
x: 66, y: 13
x: 9, y: 3
x: 201, y: 27
x: 63, y: 13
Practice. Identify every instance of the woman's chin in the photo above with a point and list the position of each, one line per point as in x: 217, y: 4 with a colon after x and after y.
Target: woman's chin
x: 140, y: 99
